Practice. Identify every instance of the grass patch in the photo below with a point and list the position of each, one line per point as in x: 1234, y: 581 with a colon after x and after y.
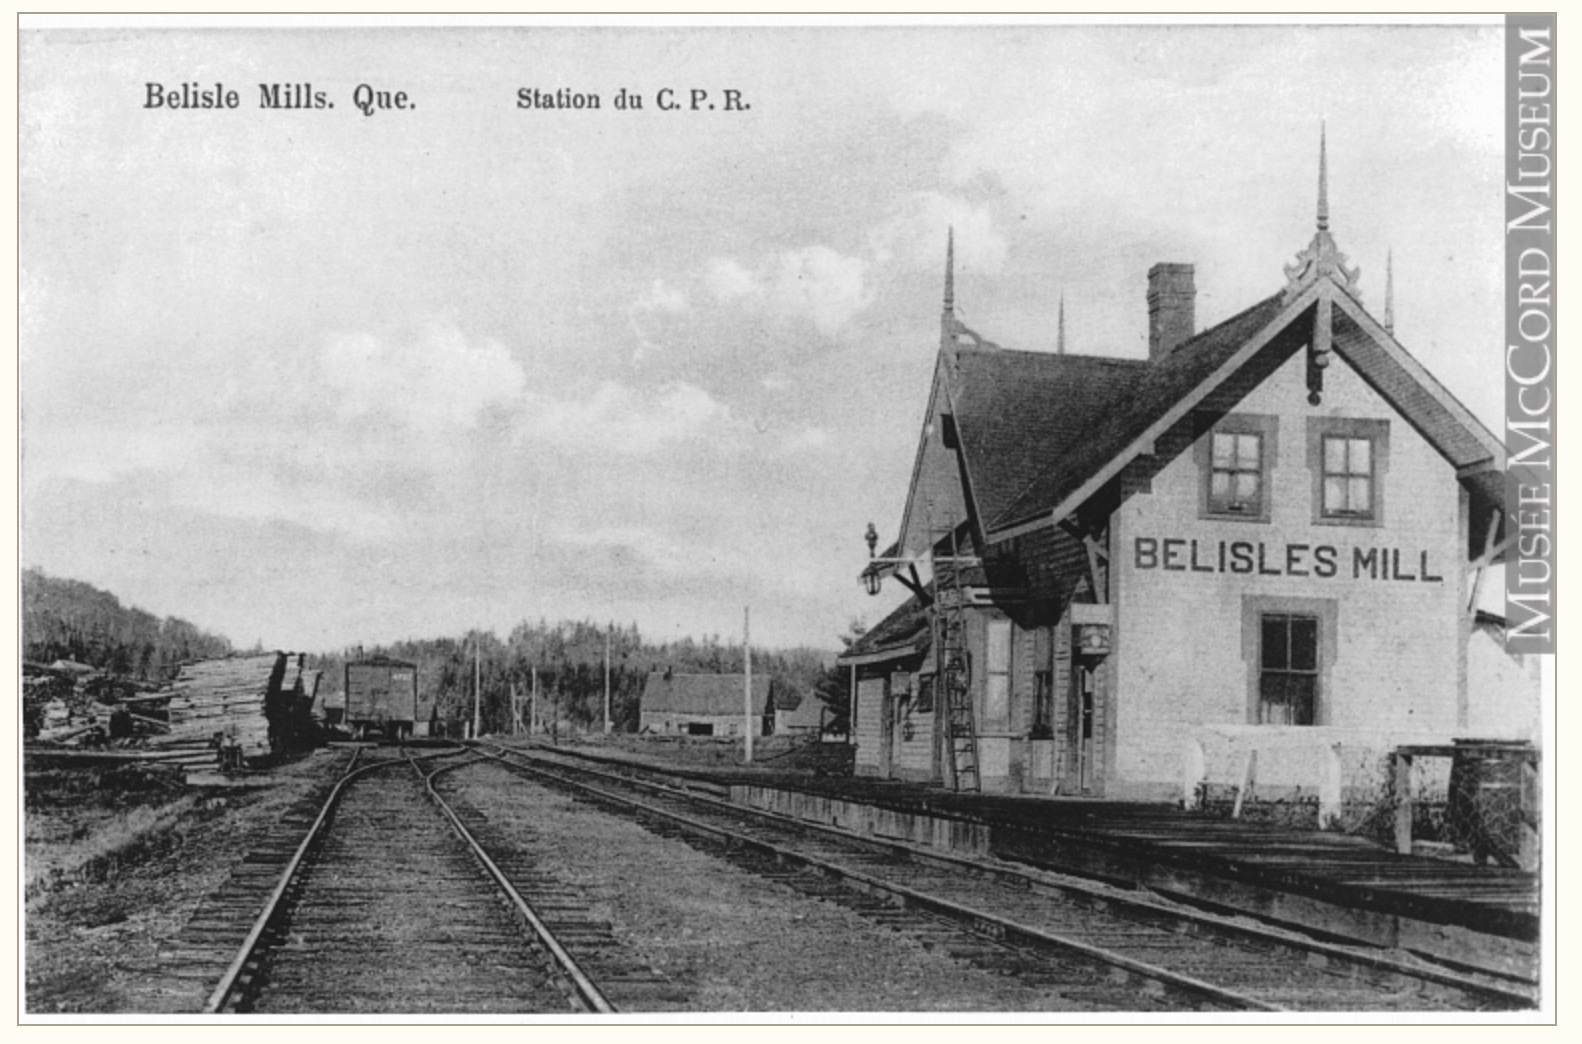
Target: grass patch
x: 95, y: 848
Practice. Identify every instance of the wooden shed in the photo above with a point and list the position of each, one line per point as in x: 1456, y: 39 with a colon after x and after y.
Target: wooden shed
x: 704, y: 704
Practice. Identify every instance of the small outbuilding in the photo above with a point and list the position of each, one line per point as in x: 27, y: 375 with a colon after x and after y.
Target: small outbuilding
x: 705, y: 704
x: 798, y: 714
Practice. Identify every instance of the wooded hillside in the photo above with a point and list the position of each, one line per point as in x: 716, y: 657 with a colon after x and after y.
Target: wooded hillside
x: 71, y: 620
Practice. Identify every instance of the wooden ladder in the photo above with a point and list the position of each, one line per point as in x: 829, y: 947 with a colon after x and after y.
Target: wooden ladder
x: 953, y: 667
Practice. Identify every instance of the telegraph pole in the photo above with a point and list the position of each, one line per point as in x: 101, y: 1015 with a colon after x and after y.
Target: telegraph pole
x: 747, y: 686
x: 532, y: 704
x: 607, y: 680
x: 477, y: 684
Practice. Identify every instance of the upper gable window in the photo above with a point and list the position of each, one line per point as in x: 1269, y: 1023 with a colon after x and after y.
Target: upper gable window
x: 1236, y: 478
x: 1236, y: 456
x: 1348, y: 477
x: 1349, y: 458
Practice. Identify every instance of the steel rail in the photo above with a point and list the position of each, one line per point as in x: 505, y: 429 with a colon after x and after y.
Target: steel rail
x: 587, y: 991
x: 1520, y: 995
x: 227, y: 984
x: 1003, y: 928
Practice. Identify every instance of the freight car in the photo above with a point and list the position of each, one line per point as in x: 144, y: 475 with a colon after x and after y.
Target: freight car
x: 381, y: 699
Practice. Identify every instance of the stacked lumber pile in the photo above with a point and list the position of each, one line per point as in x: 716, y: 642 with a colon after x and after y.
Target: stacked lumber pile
x: 216, y: 703
x: 216, y: 713
x: 290, y: 708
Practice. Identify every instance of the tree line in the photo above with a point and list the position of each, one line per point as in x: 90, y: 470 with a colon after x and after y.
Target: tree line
x: 568, y: 659
x: 71, y: 620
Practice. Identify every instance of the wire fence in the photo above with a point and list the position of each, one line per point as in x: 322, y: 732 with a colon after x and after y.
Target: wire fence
x: 1476, y: 801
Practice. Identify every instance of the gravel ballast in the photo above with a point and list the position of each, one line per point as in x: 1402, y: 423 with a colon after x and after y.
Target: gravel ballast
x: 737, y: 942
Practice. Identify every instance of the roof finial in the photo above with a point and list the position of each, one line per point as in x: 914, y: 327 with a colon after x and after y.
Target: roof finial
x: 1389, y: 292
x: 1060, y: 342
x: 1323, y: 180
x: 950, y: 271
x: 1321, y: 257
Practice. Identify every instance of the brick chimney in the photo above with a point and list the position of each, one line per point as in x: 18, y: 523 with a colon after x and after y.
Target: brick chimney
x: 1171, y: 310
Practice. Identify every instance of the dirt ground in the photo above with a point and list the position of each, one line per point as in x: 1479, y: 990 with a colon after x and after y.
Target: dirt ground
x: 116, y: 860
x: 740, y: 943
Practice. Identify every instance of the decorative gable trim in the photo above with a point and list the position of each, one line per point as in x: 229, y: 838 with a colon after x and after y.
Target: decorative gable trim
x: 1458, y: 435
x: 1491, y: 445
x: 1144, y: 442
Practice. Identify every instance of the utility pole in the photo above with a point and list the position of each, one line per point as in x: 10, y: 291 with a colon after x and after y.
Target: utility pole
x: 477, y: 684
x: 747, y: 687
x: 516, y: 710
x: 607, y: 679
x: 532, y: 704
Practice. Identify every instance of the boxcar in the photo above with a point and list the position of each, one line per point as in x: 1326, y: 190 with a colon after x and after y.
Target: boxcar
x: 381, y: 698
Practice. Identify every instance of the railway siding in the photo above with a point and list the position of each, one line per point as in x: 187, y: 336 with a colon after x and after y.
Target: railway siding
x: 1476, y: 919
x: 1264, y: 969
x: 733, y: 931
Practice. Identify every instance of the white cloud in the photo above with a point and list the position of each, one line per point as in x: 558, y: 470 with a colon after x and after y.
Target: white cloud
x: 728, y: 280
x: 616, y: 419
x: 676, y: 557
x: 661, y: 297
x: 92, y: 455
x: 658, y: 301
x: 806, y: 440
x: 816, y: 283
x: 916, y: 228
x: 825, y: 286
x: 261, y: 496
x: 435, y: 380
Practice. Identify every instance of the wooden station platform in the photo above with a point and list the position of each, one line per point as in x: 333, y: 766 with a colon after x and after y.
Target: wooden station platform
x: 1332, y: 884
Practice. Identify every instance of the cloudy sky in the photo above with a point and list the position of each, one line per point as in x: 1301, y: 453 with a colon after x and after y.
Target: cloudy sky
x: 319, y: 378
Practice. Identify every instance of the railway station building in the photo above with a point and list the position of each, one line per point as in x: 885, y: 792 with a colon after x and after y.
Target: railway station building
x: 1266, y: 540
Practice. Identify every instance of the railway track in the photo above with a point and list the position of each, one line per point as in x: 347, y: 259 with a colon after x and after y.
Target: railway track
x: 388, y: 904
x: 1136, y: 954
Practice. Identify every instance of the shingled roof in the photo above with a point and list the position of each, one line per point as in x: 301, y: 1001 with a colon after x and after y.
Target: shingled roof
x: 1020, y: 413
x: 1126, y: 411
x: 903, y: 633
x: 1036, y: 429
x: 706, y: 695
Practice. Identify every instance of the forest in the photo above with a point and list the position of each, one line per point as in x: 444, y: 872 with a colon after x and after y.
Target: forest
x: 568, y: 659
x: 72, y: 620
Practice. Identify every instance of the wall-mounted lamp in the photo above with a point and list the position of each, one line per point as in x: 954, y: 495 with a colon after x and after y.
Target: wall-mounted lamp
x: 1093, y: 640
x: 870, y: 576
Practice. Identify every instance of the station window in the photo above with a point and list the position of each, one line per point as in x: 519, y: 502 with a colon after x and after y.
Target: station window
x: 1348, y: 458
x: 997, y: 684
x: 925, y: 694
x: 1288, y: 669
x: 1236, y: 457
x: 1043, y: 705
